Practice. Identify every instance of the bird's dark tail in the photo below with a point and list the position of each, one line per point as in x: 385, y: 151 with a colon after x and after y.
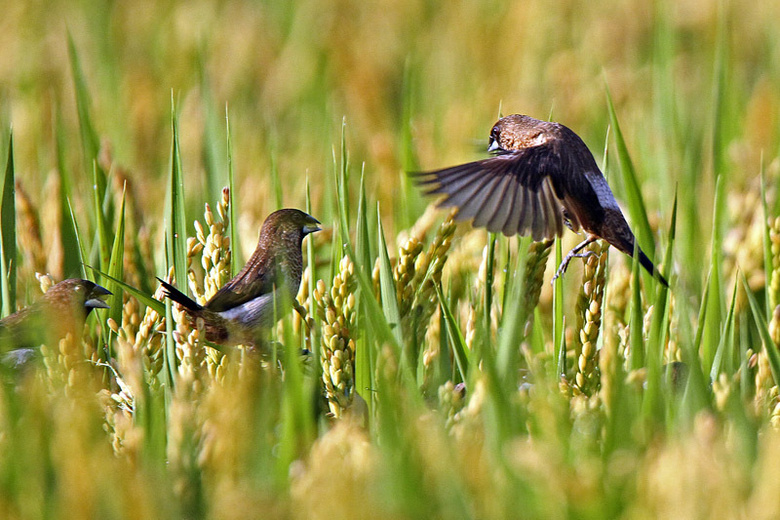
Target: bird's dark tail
x: 650, y: 268
x: 179, y: 297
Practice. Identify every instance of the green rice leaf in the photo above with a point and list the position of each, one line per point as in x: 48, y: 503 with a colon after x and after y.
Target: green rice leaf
x: 175, y: 220
x: 766, y: 338
x: 213, y: 155
x: 387, y: 291
x: 89, y: 138
x: 723, y: 360
x: 136, y: 293
x: 235, y: 244
x: 458, y: 342
x: 342, y: 185
x: 72, y: 261
x: 636, y: 205
x: 365, y: 353
x: 767, y: 243
x: 558, y: 318
x: 8, y: 235
x: 715, y: 303
x: 104, y: 235
x: 116, y: 265
x: 637, y: 342
x: 80, y: 250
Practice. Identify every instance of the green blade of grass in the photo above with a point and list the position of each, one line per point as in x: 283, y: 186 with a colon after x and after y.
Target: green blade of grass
x: 297, y: 426
x: 637, y: 354
x: 341, y: 168
x: 459, y: 348
x: 558, y: 318
x: 136, y: 293
x: 235, y: 244
x: 312, y: 383
x: 365, y: 354
x: 89, y: 138
x: 116, y: 265
x: 388, y: 293
x: 513, y: 321
x: 722, y: 361
x: 104, y: 235
x: 213, y: 156
x: 72, y: 259
x: 766, y: 338
x: 277, y: 185
x: 636, y: 205
x: 771, y: 299
x: 719, y: 85
x: 659, y: 329
x: 80, y: 250
x: 175, y: 246
x: 8, y: 235
x: 716, y: 302
x: 175, y: 220
x: 560, y: 352
x: 489, y: 277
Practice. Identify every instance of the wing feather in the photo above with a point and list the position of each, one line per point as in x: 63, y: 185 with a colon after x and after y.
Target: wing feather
x: 523, y: 191
x: 258, y: 277
x: 512, y: 224
x: 504, y: 208
x: 493, y: 201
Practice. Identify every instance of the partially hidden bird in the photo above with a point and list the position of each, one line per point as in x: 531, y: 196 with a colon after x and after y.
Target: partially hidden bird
x: 62, y: 310
x: 541, y: 176
x: 244, y: 309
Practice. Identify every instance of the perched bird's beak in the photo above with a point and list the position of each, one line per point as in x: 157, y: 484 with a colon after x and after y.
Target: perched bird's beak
x: 96, y: 297
x: 311, y: 226
x: 494, y: 146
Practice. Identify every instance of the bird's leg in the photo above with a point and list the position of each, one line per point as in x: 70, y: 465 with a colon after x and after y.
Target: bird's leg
x: 307, y: 321
x: 575, y: 253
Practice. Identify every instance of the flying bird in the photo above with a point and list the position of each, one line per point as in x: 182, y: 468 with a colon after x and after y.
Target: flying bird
x: 245, y: 308
x: 542, y: 176
x: 62, y: 310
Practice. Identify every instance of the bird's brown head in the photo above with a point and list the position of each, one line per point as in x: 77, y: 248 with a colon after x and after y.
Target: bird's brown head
x: 81, y: 294
x: 516, y: 132
x: 288, y: 226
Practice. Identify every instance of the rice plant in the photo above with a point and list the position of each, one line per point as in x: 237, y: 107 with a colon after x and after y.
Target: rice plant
x: 431, y: 369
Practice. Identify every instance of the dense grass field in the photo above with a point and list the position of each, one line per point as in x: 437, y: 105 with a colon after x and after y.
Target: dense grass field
x: 448, y: 378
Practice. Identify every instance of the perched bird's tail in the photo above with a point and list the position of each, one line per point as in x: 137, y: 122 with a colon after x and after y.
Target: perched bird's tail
x: 179, y: 297
x: 650, y: 268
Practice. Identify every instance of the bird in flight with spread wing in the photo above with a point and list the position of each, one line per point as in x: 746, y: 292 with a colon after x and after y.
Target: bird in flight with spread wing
x: 541, y: 176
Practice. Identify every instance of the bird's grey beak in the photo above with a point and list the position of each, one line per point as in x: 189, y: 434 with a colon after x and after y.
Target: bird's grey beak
x: 312, y: 226
x: 96, y: 296
x: 494, y: 146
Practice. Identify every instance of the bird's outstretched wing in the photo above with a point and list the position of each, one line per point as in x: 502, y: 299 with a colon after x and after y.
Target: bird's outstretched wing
x: 526, y: 191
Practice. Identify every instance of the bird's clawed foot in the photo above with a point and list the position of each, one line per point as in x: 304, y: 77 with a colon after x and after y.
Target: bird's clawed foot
x: 307, y: 321
x: 574, y: 253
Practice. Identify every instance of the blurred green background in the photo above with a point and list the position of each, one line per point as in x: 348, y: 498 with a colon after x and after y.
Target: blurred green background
x: 410, y: 85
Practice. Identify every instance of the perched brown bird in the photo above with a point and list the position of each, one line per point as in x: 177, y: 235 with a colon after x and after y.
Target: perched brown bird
x: 542, y: 177
x: 243, y: 310
x: 61, y: 311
